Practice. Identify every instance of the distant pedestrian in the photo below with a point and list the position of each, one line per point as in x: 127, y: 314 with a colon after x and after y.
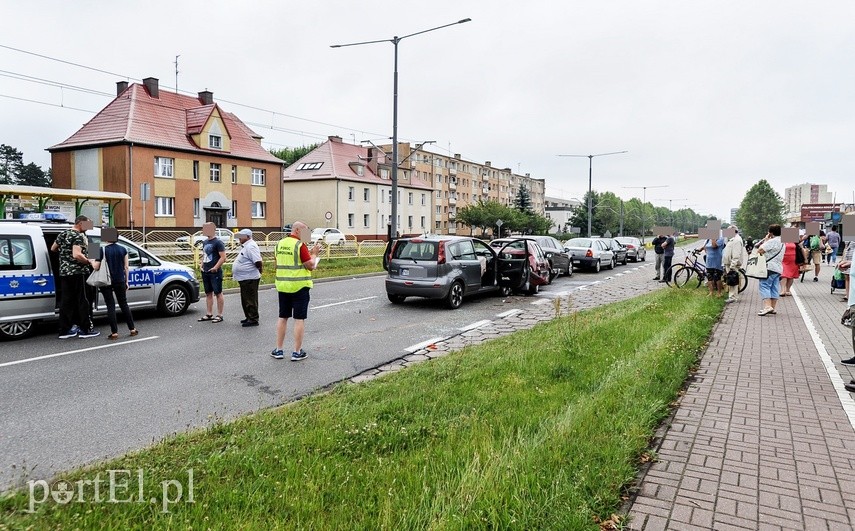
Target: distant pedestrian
x: 714, y: 249
x: 294, y: 266
x: 659, y: 252
x: 75, y: 305
x: 833, y: 239
x: 214, y: 255
x: 667, y: 256
x: 772, y: 249
x: 246, y: 270
x: 733, y: 259
x: 815, y: 245
x: 791, y: 262
x: 115, y: 257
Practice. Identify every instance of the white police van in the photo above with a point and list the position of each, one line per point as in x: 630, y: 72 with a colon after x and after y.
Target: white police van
x: 29, y: 289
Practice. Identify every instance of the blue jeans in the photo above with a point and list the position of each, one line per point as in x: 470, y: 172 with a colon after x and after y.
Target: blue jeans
x: 832, y: 258
x: 769, y: 286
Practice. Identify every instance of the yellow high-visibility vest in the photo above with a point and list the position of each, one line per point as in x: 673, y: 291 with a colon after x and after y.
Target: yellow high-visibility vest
x: 291, y: 274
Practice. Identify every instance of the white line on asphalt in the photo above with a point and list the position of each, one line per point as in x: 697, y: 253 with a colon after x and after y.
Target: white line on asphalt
x: 9, y: 363
x: 475, y: 325
x: 343, y: 302
x: 423, y: 344
x: 846, y: 399
x: 538, y: 302
x: 618, y: 274
x: 508, y: 313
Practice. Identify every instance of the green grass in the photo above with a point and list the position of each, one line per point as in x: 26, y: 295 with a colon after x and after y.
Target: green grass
x: 334, y: 267
x: 542, y: 429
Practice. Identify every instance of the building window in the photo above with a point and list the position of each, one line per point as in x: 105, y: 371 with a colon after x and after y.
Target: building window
x: 195, y: 170
x: 410, y: 221
x: 164, y: 207
x: 258, y: 175
x: 438, y: 210
x: 365, y: 194
x: 423, y: 199
x: 163, y: 166
x: 365, y: 221
x: 351, y: 192
x: 259, y: 209
x: 215, y: 142
x: 423, y: 222
x: 310, y: 166
x: 439, y: 194
x: 234, y: 174
x: 215, y: 172
x: 437, y: 225
x: 233, y: 211
x: 390, y: 197
x: 196, y: 208
x: 350, y: 220
x: 410, y: 198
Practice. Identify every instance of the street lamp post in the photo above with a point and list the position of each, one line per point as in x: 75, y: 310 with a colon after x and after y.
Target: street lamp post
x: 644, y: 203
x: 395, y: 40
x: 590, y: 190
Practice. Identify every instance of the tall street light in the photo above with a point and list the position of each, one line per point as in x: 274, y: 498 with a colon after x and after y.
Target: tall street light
x: 590, y: 190
x: 395, y: 40
x: 644, y: 202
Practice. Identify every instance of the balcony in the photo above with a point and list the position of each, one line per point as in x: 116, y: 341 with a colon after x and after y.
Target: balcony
x: 452, y: 171
x: 452, y: 185
x: 452, y: 200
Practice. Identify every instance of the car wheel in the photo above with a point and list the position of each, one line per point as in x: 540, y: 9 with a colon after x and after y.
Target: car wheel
x: 598, y: 266
x: 505, y: 291
x: 17, y: 329
x: 569, y: 271
x: 613, y: 263
x: 624, y: 261
x: 174, y: 300
x: 396, y: 299
x: 455, y: 295
x: 533, y: 289
x: 644, y: 257
x: 552, y: 274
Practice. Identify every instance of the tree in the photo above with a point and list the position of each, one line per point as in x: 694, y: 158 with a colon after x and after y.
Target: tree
x: 472, y: 215
x: 11, y: 162
x: 580, y: 214
x: 33, y: 175
x: 760, y: 207
x: 292, y: 155
x: 522, y: 201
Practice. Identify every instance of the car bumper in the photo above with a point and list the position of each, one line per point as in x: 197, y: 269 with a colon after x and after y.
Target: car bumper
x: 585, y: 262
x: 431, y: 289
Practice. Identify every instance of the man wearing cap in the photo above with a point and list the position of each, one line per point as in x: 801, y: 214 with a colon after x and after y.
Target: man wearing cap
x: 246, y: 270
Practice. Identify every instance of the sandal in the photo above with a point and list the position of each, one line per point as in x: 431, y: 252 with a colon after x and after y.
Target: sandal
x: 208, y: 317
x: 114, y: 336
x: 217, y: 319
x: 134, y: 332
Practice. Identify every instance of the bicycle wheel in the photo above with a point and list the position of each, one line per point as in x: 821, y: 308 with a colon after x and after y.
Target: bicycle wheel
x: 679, y: 275
x: 743, y: 281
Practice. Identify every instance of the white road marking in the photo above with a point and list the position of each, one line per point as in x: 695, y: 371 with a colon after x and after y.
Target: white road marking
x: 618, y: 274
x: 89, y: 349
x: 508, y: 313
x: 475, y: 325
x: 538, y: 302
x: 343, y: 302
x: 423, y: 344
x: 846, y: 399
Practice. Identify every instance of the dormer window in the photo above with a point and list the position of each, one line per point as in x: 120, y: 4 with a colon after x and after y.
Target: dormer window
x: 215, y: 142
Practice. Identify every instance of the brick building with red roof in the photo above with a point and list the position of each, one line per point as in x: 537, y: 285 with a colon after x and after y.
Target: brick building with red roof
x: 200, y: 162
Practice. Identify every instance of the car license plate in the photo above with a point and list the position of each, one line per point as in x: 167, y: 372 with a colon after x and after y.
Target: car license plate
x: 577, y: 261
x: 405, y: 272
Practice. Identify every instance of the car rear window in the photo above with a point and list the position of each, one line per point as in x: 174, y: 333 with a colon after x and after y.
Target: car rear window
x: 418, y: 250
x: 578, y: 242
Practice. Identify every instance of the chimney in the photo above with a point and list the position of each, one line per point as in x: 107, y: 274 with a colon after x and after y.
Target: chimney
x: 151, y: 86
x: 487, y: 163
x: 206, y: 97
x: 121, y: 86
x: 457, y: 156
x: 335, y: 138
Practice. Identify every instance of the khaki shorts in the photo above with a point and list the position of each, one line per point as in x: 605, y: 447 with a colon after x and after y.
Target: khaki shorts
x: 816, y: 256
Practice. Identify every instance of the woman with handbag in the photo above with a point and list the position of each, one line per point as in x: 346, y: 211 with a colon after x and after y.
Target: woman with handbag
x: 115, y: 258
x: 771, y: 249
x: 791, y: 263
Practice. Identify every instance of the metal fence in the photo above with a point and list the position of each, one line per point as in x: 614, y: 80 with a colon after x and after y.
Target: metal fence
x: 185, y: 248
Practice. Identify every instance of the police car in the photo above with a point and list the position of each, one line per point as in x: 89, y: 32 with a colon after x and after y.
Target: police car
x: 29, y: 290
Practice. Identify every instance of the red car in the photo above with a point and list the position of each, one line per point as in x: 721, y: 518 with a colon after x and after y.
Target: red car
x: 539, y: 270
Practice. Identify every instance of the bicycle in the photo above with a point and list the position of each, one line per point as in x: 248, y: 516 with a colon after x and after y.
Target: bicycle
x: 681, y: 274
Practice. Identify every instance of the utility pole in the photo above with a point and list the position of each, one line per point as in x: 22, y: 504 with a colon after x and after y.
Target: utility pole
x: 176, y: 73
x: 590, y: 190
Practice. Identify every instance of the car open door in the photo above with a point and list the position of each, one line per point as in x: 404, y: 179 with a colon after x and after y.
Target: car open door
x: 513, y: 264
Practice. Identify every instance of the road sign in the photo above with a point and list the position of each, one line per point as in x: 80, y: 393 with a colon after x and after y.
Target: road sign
x: 145, y: 191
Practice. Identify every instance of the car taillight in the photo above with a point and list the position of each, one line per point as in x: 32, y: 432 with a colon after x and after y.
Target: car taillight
x: 589, y: 253
x: 630, y: 246
x: 441, y: 254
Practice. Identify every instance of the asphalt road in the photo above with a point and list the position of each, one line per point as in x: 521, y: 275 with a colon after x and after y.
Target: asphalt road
x: 66, y: 403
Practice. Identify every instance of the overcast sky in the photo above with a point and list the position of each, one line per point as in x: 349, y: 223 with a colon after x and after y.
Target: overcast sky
x: 706, y: 97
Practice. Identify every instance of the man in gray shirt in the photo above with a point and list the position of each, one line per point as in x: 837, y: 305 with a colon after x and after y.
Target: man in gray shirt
x: 833, y: 239
x: 246, y: 270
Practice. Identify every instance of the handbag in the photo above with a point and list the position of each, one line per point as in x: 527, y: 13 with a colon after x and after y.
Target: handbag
x: 100, y: 277
x: 756, y: 266
x: 846, y: 320
x: 731, y: 278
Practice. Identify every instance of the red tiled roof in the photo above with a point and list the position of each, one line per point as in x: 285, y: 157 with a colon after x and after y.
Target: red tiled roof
x: 167, y: 121
x: 336, y: 158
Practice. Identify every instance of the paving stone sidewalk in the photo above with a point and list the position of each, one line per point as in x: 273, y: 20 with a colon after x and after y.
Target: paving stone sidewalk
x: 763, y: 437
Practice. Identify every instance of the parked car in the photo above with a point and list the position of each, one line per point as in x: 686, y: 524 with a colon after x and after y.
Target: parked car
x: 453, y: 267
x: 590, y: 253
x: 539, y: 268
x: 559, y: 259
x: 198, y: 238
x: 635, y: 249
x: 30, y: 291
x: 618, y: 249
x: 328, y: 236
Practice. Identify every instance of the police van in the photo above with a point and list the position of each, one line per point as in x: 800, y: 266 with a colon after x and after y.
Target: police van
x: 29, y: 289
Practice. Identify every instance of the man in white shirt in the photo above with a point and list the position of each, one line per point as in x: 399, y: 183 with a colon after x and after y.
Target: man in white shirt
x: 246, y: 270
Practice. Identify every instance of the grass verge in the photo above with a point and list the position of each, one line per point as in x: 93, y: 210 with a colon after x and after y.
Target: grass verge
x: 542, y: 429
x: 334, y: 267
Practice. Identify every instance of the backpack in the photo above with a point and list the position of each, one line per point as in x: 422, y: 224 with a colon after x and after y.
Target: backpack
x: 814, y: 243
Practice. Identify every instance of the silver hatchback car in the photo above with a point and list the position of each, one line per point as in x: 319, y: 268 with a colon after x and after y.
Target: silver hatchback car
x: 453, y: 267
